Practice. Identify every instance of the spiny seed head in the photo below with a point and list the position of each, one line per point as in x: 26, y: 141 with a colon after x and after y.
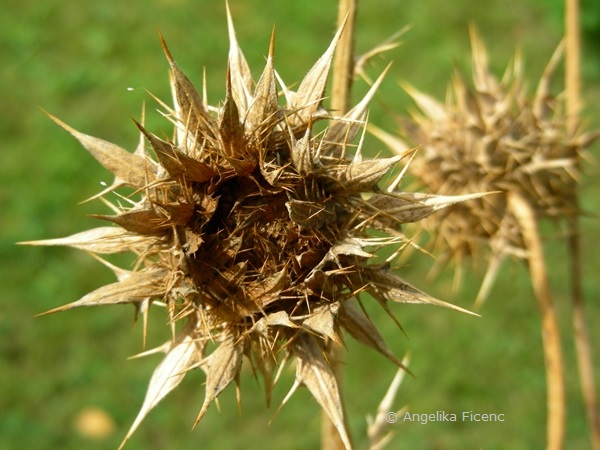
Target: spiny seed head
x: 493, y: 137
x: 253, y: 232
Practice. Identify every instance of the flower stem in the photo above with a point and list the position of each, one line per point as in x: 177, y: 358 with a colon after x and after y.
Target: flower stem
x: 343, y: 61
x: 581, y: 337
x: 572, y: 64
x: 555, y: 377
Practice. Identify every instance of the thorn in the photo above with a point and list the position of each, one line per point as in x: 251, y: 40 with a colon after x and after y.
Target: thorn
x: 204, y: 89
x: 392, y: 187
x: 272, y: 44
x: 230, y: 22
x: 166, y: 49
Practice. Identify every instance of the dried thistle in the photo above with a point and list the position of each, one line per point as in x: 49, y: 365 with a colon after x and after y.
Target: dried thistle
x: 253, y: 233
x: 493, y: 137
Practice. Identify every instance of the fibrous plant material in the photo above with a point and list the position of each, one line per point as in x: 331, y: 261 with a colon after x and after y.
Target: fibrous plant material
x: 253, y: 232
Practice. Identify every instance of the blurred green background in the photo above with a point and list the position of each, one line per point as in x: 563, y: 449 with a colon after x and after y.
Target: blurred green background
x: 90, y: 63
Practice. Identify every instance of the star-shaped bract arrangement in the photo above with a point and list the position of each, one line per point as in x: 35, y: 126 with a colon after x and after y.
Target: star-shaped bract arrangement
x: 254, y: 233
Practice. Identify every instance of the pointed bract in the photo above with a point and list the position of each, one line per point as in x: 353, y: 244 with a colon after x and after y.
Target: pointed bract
x: 262, y: 112
x: 102, y: 240
x: 129, y: 168
x: 222, y: 367
x: 135, y: 288
x: 312, y: 88
x: 360, y: 327
x: 166, y: 377
x: 313, y: 371
x: 241, y: 78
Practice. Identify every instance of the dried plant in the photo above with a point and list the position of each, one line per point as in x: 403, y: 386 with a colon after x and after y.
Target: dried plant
x: 492, y: 137
x: 254, y: 233
x: 495, y: 137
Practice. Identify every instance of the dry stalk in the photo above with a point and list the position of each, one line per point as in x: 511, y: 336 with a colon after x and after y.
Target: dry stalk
x: 581, y: 336
x: 555, y: 378
x: 342, y: 77
x: 583, y: 346
x: 572, y: 64
x: 343, y: 60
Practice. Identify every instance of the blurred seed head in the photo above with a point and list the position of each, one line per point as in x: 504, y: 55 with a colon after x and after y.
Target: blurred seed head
x: 492, y: 136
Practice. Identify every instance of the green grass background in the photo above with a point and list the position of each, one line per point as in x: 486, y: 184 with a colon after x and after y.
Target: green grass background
x: 77, y: 59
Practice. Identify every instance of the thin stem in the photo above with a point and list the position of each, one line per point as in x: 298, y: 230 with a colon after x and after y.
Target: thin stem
x: 343, y: 72
x: 582, y: 340
x: 343, y: 60
x: 581, y: 337
x: 572, y: 65
x: 555, y: 378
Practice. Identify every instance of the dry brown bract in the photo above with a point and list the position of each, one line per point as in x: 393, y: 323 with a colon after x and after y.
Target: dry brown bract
x: 493, y: 137
x: 253, y: 232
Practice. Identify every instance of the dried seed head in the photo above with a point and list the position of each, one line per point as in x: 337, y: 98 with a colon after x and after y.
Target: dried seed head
x: 253, y: 232
x: 492, y: 137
